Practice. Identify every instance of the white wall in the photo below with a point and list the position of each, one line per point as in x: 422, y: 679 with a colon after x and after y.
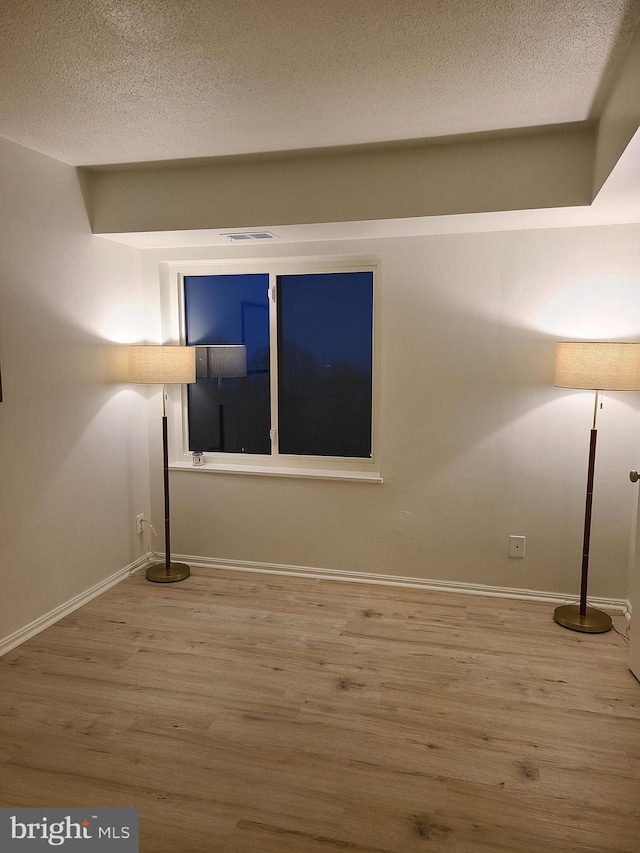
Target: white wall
x: 73, y: 442
x: 477, y: 444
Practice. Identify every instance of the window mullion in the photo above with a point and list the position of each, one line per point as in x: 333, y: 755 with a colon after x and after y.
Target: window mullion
x: 273, y: 360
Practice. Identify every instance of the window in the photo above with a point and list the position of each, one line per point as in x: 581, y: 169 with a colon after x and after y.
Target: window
x: 227, y: 315
x: 285, y: 368
x: 325, y: 364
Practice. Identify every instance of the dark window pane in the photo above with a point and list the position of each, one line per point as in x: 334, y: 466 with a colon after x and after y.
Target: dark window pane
x: 325, y: 327
x: 229, y: 410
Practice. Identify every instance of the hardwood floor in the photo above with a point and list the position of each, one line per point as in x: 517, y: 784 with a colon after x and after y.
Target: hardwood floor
x: 250, y: 713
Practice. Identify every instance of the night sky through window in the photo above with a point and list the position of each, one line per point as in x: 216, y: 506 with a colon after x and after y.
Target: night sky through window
x: 325, y: 340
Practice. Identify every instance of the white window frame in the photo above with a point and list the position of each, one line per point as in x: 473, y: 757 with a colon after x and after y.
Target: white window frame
x: 276, y: 464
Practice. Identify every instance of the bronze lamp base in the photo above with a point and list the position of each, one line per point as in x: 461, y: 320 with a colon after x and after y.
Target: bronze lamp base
x: 593, y: 622
x: 158, y: 572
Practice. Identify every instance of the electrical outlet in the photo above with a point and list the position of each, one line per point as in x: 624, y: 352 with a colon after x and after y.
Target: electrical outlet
x: 516, y: 546
x: 139, y: 526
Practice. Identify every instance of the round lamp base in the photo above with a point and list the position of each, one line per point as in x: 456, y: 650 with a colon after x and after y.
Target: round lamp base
x: 158, y: 572
x: 594, y: 622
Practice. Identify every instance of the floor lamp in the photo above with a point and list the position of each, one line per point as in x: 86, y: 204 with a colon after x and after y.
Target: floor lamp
x: 164, y: 365
x: 594, y: 366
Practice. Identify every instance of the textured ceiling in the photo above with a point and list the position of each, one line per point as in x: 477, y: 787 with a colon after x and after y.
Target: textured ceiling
x: 109, y: 81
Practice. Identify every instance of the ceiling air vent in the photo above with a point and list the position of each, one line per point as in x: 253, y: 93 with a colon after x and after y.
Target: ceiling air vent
x: 249, y: 235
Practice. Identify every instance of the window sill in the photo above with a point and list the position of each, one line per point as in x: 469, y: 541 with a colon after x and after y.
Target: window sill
x: 265, y: 471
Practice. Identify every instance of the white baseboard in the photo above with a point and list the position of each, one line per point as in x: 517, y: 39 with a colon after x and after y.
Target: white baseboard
x: 23, y: 634
x: 618, y: 605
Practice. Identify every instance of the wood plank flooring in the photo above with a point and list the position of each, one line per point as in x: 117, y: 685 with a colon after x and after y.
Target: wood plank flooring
x: 252, y: 713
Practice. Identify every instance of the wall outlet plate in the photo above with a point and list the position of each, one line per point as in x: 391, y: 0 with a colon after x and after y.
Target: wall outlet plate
x: 516, y: 546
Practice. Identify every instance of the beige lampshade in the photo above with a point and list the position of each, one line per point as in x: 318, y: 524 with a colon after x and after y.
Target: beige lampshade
x: 598, y: 366
x: 221, y: 361
x: 162, y: 365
